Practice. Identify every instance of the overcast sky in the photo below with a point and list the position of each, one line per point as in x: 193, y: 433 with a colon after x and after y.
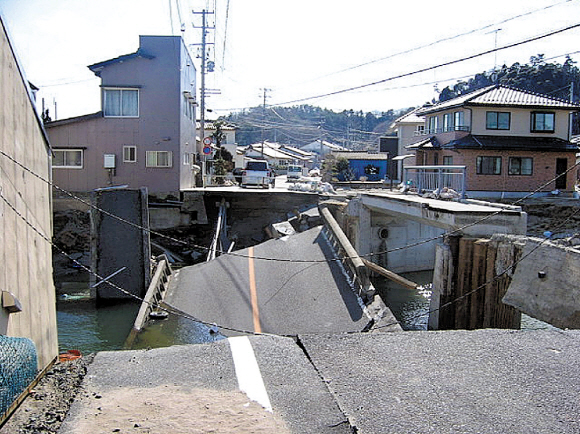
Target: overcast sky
x: 296, y: 49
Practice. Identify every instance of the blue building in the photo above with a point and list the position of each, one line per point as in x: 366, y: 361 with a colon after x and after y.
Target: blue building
x: 370, y: 165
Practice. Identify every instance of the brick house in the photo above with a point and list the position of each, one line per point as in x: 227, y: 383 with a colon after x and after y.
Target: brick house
x: 511, y: 141
x: 144, y: 136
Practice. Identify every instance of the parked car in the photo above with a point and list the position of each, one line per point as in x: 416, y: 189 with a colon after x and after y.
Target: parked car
x: 257, y: 173
x: 294, y: 171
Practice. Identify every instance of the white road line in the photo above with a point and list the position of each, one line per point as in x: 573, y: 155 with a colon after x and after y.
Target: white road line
x: 248, y: 372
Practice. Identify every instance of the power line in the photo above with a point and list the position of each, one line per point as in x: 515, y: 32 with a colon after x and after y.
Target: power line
x: 386, y: 89
x: 431, y: 68
x: 450, y: 38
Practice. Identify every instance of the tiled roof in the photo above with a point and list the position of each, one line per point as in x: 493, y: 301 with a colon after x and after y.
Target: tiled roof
x: 522, y: 143
x: 508, y: 96
x: 503, y: 96
x: 73, y: 120
x: 209, y: 125
x: 409, y: 118
x: 429, y: 142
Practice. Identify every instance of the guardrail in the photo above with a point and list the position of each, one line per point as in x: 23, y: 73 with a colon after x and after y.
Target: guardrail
x: 435, y: 178
x: 154, y: 296
x: 354, y: 264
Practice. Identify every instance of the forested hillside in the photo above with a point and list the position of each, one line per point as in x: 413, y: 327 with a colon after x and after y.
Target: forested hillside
x: 553, y: 79
x: 305, y: 123
x: 357, y: 130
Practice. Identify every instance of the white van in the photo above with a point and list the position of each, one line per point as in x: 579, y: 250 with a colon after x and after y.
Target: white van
x: 294, y: 171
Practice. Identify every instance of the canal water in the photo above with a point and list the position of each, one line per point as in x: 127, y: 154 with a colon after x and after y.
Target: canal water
x: 88, y: 328
x: 410, y: 306
x: 84, y: 326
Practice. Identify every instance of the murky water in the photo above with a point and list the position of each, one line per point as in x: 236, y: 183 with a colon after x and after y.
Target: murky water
x: 410, y: 306
x: 84, y: 326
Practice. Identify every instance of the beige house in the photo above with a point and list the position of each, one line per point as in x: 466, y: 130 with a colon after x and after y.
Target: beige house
x: 512, y: 142
x: 28, y: 307
x: 408, y: 128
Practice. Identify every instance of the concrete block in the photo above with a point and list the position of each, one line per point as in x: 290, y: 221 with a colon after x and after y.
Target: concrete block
x: 545, y: 284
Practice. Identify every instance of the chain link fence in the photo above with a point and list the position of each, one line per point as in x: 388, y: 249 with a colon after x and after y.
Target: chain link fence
x: 18, y: 364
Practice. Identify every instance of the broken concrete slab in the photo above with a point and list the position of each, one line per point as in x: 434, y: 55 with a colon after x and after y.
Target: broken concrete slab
x: 545, y: 282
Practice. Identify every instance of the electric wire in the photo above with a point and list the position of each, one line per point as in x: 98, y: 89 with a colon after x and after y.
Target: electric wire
x: 433, y: 67
x: 446, y: 39
x: 164, y: 306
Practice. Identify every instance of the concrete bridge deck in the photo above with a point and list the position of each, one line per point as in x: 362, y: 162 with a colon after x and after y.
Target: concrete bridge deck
x: 275, y: 295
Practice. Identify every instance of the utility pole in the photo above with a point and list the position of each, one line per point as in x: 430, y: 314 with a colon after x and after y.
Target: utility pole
x: 204, y: 43
x: 264, y: 119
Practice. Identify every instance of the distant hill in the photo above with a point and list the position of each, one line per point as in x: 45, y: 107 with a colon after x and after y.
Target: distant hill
x: 304, y: 124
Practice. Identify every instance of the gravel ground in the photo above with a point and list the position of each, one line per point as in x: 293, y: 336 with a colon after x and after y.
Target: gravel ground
x: 46, y: 406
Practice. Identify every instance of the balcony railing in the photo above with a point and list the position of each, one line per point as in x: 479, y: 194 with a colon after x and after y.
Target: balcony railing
x: 435, y: 179
x: 433, y: 131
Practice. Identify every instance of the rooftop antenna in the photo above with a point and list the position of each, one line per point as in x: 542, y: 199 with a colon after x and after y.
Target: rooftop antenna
x: 495, y: 46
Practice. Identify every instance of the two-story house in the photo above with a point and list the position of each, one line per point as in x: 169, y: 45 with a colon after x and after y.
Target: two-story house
x: 511, y: 141
x: 144, y: 136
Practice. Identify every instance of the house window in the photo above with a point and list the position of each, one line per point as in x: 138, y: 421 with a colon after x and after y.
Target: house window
x: 121, y: 102
x: 159, y: 158
x: 433, y: 124
x: 436, y: 159
x: 448, y: 160
x: 488, y: 165
x: 129, y: 154
x: 68, y: 158
x: 520, y: 166
x: 448, y: 122
x: 497, y: 121
x: 186, y: 159
x: 543, y: 122
x: 458, y: 120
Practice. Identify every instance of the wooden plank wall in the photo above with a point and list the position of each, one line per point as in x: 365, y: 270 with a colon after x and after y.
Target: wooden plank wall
x: 469, y: 283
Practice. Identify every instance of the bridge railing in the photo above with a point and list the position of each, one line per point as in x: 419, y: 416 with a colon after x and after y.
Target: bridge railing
x: 354, y: 263
x: 435, y: 178
x: 153, y: 298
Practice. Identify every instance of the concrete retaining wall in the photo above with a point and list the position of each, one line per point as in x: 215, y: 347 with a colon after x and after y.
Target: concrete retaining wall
x: 25, y: 213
